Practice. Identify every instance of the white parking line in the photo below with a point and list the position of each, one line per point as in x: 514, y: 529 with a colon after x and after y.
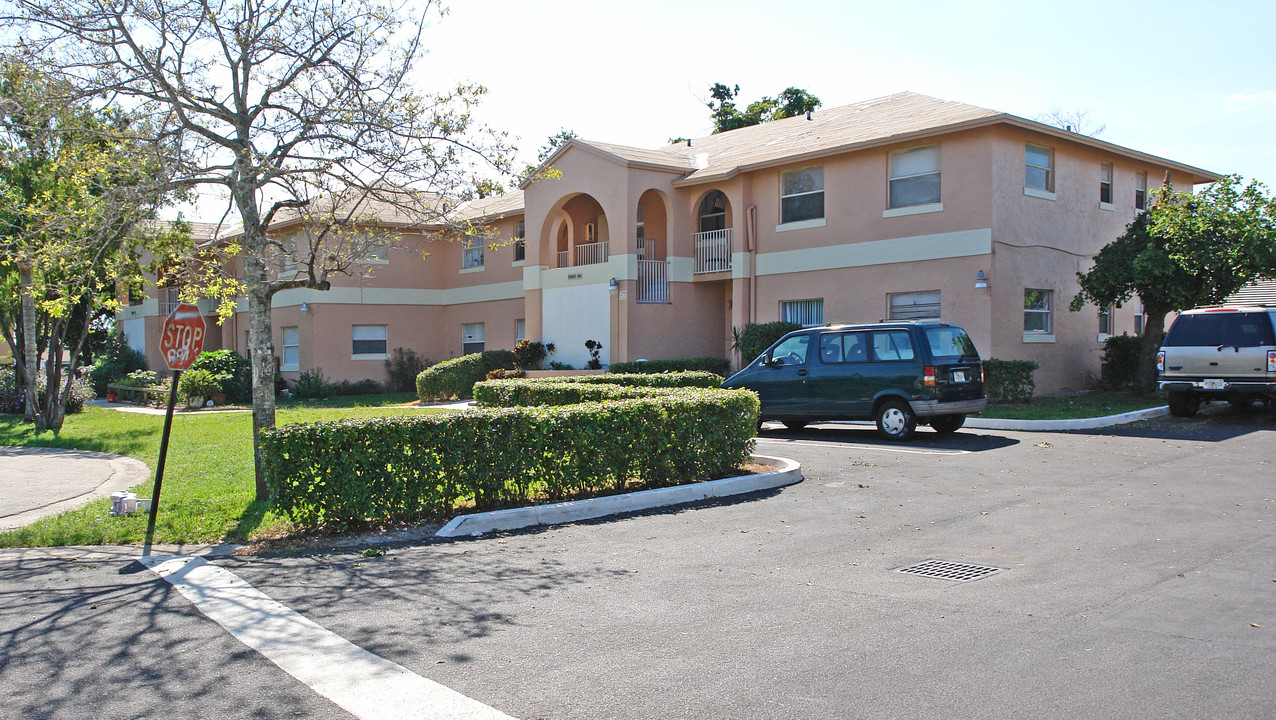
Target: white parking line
x: 858, y: 446
x: 366, y: 685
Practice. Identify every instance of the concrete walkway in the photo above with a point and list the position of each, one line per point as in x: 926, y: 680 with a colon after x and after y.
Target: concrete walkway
x: 37, y: 482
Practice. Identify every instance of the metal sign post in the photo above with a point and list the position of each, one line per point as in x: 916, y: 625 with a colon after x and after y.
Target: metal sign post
x: 181, y: 341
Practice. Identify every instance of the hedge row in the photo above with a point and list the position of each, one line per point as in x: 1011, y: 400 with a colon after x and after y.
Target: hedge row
x: 375, y: 470
x: 455, y: 378
x: 586, y: 388
x: 1009, y: 381
x: 718, y: 366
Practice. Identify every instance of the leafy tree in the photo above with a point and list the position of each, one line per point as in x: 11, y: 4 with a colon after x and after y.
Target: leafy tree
x: 74, y: 195
x: 301, y: 110
x: 555, y: 141
x: 1187, y: 250
x: 727, y: 115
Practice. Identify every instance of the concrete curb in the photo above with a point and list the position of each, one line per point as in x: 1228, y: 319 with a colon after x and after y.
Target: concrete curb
x: 980, y: 423
x: 787, y: 472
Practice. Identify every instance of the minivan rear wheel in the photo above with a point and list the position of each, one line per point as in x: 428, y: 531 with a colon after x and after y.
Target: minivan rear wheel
x: 895, y: 420
x: 947, y: 424
x: 1183, y: 404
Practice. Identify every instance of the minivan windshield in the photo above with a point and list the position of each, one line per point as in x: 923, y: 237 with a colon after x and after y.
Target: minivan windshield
x: 950, y: 344
x: 1215, y: 329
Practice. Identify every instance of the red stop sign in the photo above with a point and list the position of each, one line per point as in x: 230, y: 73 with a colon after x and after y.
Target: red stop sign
x: 182, y: 339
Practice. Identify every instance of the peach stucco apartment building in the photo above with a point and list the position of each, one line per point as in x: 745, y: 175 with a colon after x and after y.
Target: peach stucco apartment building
x: 901, y: 207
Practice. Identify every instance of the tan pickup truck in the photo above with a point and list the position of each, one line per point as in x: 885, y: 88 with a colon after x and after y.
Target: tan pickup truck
x: 1219, y: 353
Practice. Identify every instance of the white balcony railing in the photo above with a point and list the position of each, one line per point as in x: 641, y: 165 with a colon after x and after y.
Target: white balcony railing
x: 562, y: 259
x: 653, y: 281
x: 592, y: 254
x: 713, y: 251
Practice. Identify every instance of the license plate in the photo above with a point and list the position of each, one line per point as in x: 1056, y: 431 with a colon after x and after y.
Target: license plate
x: 959, y: 376
x: 1212, y: 384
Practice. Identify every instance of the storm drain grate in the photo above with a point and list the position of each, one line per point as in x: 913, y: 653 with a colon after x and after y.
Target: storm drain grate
x: 944, y: 570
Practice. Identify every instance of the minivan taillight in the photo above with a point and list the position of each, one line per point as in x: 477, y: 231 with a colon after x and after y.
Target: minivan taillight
x: 1160, y: 361
x: 1271, y: 361
x: 928, y: 376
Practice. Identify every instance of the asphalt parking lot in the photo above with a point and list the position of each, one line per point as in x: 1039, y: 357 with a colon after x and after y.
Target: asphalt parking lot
x: 1136, y: 578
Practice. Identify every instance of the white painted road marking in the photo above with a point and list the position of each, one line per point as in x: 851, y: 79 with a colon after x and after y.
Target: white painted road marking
x: 366, y: 685
x: 857, y: 446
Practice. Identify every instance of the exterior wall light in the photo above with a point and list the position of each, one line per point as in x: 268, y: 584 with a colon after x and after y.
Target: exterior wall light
x: 306, y: 308
x: 611, y: 284
x: 981, y: 280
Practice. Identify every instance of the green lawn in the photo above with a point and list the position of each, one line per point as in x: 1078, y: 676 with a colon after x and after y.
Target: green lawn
x: 208, y: 481
x: 1090, y: 405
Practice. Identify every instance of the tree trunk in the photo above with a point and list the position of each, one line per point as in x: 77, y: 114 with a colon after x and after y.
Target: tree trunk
x: 261, y: 348
x: 31, y: 359
x: 1153, y: 334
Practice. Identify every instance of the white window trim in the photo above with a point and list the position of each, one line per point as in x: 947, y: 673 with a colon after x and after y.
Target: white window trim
x: 1036, y: 337
x: 283, y: 346
x: 1044, y: 195
x: 801, y: 225
x: 370, y: 356
x: 1050, y: 170
x: 518, y: 263
x: 1049, y: 313
x: 913, y: 210
x: 1110, y: 207
x: 467, y: 271
x: 890, y: 160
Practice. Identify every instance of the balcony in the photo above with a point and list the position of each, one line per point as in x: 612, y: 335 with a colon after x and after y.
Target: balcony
x: 591, y: 254
x: 653, y: 281
x: 713, y: 251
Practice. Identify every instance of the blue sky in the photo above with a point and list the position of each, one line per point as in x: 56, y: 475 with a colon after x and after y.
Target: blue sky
x: 1176, y: 79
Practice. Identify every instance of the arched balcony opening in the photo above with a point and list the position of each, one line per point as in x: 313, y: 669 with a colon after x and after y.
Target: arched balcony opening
x: 713, y: 241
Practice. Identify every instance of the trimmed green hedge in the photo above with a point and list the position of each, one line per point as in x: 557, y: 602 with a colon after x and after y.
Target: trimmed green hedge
x: 1009, y: 381
x: 347, y: 473
x: 586, y: 388
x: 718, y: 366
x: 455, y: 378
x: 754, y: 339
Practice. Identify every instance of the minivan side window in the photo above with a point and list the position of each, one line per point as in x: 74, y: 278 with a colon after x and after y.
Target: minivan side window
x: 892, y: 345
x: 838, y: 348
x: 791, y: 351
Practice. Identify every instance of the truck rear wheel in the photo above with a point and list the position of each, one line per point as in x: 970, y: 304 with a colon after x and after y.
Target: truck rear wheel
x: 1183, y: 404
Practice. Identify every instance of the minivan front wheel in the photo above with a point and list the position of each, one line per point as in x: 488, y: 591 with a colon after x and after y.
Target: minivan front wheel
x: 947, y: 424
x: 895, y: 420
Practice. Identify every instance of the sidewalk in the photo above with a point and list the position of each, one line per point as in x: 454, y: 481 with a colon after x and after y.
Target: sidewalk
x: 37, y: 482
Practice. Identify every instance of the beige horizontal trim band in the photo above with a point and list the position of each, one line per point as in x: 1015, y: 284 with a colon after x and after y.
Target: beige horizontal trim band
x: 965, y: 243
x: 400, y: 296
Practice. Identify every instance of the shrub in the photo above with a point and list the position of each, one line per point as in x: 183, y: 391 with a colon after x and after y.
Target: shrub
x: 503, y: 374
x: 380, y: 469
x: 756, y: 338
x: 718, y: 366
x: 455, y: 378
x: 234, y: 373
x: 595, y: 348
x: 1009, y: 381
x: 311, y: 384
x: 195, y: 384
x: 11, y: 396
x: 1120, y: 364
x: 359, y: 387
x: 528, y: 355
x: 587, y: 388
x: 115, y: 361
x: 401, y: 369
x: 140, y: 379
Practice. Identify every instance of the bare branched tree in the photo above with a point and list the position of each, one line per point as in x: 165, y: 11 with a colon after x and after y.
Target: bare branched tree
x: 1076, y: 120
x: 281, y: 103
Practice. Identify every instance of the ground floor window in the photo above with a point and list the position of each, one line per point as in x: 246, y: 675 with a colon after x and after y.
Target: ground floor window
x: 804, y: 312
x: 471, y: 338
x: 369, y: 339
x: 1105, y: 320
x: 1036, y: 311
x: 914, y: 306
x: 290, y: 350
x: 520, y: 330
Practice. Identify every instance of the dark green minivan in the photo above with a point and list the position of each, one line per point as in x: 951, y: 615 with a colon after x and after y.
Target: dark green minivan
x: 896, y: 373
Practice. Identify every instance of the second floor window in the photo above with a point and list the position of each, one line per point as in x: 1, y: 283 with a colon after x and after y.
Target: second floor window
x: 802, y: 195
x: 520, y: 241
x: 472, y: 252
x: 914, y: 177
x: 1038, y: 168
x: 1105, y: 183
x: 1141, y: 191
